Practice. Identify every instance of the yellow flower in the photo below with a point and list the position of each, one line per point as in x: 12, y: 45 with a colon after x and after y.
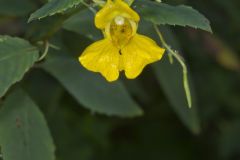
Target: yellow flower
x: 122, y: 48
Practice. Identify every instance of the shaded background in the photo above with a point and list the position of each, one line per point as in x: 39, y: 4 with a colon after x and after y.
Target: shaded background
x: 214, y: 64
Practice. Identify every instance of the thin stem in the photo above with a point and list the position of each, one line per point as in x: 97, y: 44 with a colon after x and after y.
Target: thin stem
x: 89, y: 7
x: 46, y: 45
x: 181, y: 61
x: 54, y: 46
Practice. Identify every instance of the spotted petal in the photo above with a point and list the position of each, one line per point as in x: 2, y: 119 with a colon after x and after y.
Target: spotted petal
x: 139, y: 52
x: 102, y: 57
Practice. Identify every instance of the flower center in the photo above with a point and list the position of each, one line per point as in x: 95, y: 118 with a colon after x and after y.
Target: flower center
x: 121, y: 30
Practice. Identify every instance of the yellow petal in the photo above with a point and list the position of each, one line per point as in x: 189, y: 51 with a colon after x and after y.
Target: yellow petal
x: 113, y: 9
x: 139, y: 52
x: 102, y: 57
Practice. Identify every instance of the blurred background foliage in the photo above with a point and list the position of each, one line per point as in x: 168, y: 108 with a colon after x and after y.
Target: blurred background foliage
x: 166, y: 130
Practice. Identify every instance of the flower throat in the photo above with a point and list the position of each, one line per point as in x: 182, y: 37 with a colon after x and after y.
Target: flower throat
x: 121, y: 31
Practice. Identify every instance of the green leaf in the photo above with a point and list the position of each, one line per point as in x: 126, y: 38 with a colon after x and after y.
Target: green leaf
x: 91, y: 90
x: 16, y: 57
x: 46, y: 28
x: 161, y: 13
x: 83, y: 23
x: 54, y: 7
x: 16, y: 7
x: 24, y: 134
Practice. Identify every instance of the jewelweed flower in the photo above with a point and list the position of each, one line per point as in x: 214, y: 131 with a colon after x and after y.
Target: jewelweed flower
x: 122, y: 48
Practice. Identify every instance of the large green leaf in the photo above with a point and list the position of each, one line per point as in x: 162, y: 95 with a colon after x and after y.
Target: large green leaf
x: 54, y: 7
x: 16, y: 57
x: 83, y: 23
x: 46, y: 28
x: 161, y: 13
x: 24, y: 134
x: 91, y: 90
x: 16, y: 7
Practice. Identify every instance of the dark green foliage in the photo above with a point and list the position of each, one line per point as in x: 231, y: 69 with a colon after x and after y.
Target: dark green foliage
x: 86, y: 118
